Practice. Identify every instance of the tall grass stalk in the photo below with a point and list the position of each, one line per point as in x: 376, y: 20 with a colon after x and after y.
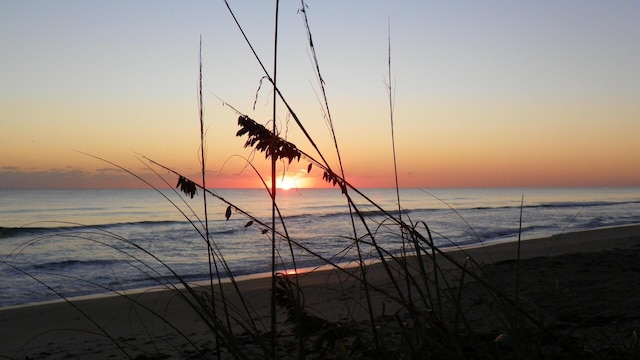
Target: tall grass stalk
x: 210, y: 258
x: 517, y: 296
x: 273, y: 186
x: 391, y: 97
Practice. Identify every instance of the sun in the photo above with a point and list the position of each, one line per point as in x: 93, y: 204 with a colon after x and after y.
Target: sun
x: 293, y: 180
x: 286, y: 183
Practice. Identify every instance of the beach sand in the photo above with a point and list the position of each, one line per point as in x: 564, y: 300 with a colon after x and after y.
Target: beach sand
x: 583, y: 283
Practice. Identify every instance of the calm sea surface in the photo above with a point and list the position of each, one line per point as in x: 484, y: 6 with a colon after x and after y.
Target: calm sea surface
x: 80, y: 242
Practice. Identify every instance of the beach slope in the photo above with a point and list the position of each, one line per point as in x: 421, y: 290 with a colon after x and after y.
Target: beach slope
x: 587, y: 283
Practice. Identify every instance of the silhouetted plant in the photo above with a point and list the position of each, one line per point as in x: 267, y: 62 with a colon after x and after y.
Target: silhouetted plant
x: 265, y: 141
x: 187, y: 186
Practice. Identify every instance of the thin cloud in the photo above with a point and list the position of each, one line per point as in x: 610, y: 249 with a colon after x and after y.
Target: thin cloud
x: 110, y: 170
x: 70, y: 178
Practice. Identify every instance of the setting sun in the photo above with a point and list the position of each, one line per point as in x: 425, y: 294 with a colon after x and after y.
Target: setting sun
x: 293, y: 180
x: 287, y: 183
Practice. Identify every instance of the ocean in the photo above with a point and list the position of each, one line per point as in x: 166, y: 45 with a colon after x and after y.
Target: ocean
x: 86, y: 242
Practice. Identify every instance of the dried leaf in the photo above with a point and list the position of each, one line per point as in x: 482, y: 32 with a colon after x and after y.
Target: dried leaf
x: 248, y: 223
x: 187, y: 186
x: 333, y: 179
x: 309, y: 167
x: 264, y: 231
x: 227, y: 214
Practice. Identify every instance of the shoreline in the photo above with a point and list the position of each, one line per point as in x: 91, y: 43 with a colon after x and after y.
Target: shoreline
x: 473, y: 250
x: 52, y: 329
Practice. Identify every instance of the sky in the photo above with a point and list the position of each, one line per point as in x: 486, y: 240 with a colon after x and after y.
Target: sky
x: 485, y: 94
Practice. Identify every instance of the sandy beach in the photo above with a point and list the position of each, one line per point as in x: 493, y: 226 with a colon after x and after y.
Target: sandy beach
x: 587, y: 283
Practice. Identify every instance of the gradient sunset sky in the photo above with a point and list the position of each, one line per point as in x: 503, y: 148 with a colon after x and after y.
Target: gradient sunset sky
x: 487, y: 93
